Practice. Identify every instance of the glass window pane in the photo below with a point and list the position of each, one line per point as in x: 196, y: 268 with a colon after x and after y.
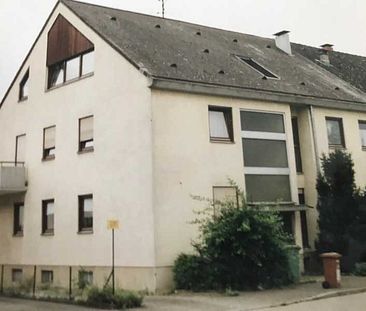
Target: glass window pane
x: 88, y: 213
x: 262, y: 122
x: 50, y: 137
x: 86, y: 129
x: 50, y: 216
x: 218, y: 126
x: 88, y: 63
x: 334, y: 130
x: 21, y: 217
x: 268, y: 188
x: 20, y: 148
x: 362, y: 126
x: 73, y: 68
x: 56, y: 74
x: 264, y: 153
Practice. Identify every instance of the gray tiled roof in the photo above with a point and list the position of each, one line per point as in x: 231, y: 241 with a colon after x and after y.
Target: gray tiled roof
x: 351, y: 68
x: 154, y: 44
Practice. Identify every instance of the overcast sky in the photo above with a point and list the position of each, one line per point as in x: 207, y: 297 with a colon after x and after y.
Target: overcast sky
x: 312, y: 22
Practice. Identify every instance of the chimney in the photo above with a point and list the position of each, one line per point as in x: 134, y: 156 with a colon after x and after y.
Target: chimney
x: 325, y: 50
x: 282, y: 40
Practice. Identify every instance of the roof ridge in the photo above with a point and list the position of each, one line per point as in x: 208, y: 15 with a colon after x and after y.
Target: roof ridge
x: 334, y: 51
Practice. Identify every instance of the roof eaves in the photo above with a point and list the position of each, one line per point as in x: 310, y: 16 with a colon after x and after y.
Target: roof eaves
x: 164, y: 83
x: 28, y: 54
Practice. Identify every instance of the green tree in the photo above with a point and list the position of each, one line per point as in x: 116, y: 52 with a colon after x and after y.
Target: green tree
x: 337, y: 202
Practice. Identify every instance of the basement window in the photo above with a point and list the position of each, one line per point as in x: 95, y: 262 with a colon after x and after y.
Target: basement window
x: 47, y: 276
x: 16, y: 275
x: 257, y: 67
x: 221, y: 124
x: 23, y: 87
x: 85, y: 278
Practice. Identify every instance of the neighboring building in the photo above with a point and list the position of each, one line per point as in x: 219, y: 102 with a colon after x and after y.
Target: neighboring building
x: 118, y: 115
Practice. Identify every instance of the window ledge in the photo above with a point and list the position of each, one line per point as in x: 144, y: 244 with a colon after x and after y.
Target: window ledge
x: 48, y: 233
x: 86, y: 150
x: 300, y: 173
x: 82, y: 232
x: 18, y: 235
x: 69, y: 82
x: 20, y: 100
x: 219, y: 141
x: 50, y: 158
x: 336, y: 147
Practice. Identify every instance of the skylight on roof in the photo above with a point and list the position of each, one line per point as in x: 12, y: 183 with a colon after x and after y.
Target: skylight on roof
x: 256, y: 66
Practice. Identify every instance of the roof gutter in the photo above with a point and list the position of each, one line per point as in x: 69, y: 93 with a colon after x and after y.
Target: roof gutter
x: 245, y: 93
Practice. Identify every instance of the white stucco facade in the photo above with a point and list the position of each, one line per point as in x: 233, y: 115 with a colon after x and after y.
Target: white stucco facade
x: 152, y: 152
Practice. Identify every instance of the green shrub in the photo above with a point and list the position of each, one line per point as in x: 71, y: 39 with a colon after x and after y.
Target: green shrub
x: 104, y: 298
x: 192, y: 272
x: 360, y: 269
x: 239, y: 248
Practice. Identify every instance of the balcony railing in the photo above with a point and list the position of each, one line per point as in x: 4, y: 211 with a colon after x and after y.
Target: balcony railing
x: 12, y: 177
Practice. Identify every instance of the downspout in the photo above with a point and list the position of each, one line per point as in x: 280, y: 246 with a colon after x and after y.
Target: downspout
x: 313, y: 134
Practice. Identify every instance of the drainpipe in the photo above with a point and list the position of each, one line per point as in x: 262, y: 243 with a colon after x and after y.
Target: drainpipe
x: 313, y: 134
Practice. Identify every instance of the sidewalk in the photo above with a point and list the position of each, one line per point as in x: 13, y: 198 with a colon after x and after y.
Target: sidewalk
x: 254, y: 300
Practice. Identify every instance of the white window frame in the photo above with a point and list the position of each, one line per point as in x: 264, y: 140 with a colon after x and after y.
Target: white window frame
x: 269, y: 136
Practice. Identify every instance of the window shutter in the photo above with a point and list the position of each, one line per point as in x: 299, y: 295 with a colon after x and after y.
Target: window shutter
x: 50, y: 137
x: 86, y: 129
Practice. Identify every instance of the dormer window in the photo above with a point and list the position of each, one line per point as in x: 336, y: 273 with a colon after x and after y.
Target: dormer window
x: 70, y: 55
x: 23, y: 87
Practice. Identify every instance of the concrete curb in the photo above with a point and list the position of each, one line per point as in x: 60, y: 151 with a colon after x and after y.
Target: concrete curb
x: 332, y: 294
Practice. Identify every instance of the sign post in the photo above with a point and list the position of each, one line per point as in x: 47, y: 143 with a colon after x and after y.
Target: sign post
x: 112, y: 225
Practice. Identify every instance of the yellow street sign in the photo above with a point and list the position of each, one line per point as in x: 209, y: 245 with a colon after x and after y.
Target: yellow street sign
x: 112, y: 224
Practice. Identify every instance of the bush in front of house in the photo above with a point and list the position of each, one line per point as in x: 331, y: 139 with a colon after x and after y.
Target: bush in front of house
x: 104, y: 298
x: 360, y: 269
x: 239, y: 248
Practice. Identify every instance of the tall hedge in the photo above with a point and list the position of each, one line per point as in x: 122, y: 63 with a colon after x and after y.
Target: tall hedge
x: 338, y: 202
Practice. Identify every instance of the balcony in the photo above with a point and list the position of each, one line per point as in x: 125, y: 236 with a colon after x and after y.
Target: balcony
x: 12, y: 178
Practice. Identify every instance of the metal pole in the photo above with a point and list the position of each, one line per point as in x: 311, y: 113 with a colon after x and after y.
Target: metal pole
x: 2, y: 279
x: 70, y: 288
x: 34, y: 280
x: 113, y: 261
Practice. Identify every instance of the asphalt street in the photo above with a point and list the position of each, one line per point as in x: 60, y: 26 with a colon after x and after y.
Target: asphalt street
x: 356, y: 302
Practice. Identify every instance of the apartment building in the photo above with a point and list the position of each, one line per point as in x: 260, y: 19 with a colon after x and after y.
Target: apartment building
x: 119, y: 115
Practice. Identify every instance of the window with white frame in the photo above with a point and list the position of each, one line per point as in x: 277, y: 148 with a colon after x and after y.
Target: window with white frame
x: 86, y: 134
x: 267, y: 173
x: 221, y: 124
x: 49, y: 143
x: 362, y: 127
x: 335, y: 133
